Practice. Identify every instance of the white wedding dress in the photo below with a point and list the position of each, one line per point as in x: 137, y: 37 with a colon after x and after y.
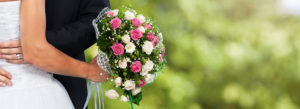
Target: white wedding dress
x: 32, y: 88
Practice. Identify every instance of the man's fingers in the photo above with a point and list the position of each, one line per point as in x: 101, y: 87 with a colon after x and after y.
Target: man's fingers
x: 10, y: 50
x: 19, y: 61
x: 5, y: 73
x: 5, y: 81
x: 10, y: 44
x: 11, y: 57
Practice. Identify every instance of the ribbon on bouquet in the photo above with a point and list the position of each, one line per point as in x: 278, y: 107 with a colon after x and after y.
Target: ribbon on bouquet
x: 102, y: 61
x: 97, y: 94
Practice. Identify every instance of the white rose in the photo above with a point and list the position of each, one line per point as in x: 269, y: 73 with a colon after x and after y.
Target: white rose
x: 123, y: 63
x: 136, y: 91
x: 129, y: 85
x: 144, y: 72
x: 115, y: 11
x: 118, y: 81
x: 112, y: 94
x: 142, y: 29
x: 149, y: 78
x: 147, y: 67
x: 141, y: 18
x: 129, y: 15
x: 130, y: 47
x: 126, y: 39
x: 147, y: 47
x: 124, y: 98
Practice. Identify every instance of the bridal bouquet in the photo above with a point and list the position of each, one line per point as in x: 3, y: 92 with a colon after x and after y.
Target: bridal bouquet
x: 130, y: 48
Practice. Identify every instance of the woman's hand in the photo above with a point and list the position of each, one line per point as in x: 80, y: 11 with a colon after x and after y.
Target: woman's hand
x: 5, y: 78
x: 11, y: 51
x: 96, y: 73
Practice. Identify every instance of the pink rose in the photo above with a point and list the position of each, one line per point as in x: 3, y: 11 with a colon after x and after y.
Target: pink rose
x: 115, y: 23
x: 148, y: 26
x: 141, y: 84
x: 162, y: 55
x: 155, y: 41
x: 150, y: 36
x: 136, y: 22
x: 118, y: 48
x: 110, y: 13
x: 136, y: 66
x: 136, y: 34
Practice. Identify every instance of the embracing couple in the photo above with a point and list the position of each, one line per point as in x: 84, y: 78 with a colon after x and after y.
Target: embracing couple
x: 29, y: 50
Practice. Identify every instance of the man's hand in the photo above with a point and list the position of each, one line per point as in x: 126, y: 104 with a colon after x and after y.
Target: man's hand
x: 5, y: 78
x: 97, y: 74
x: 11, y: 51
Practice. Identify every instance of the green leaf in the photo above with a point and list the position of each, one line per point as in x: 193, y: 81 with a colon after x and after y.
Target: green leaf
x: 137, y: 99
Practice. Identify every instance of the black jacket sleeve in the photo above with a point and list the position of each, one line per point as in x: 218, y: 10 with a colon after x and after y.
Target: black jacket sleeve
x: 79, y: 35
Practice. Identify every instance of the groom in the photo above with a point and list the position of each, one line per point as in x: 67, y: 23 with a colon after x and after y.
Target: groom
x: 69, y: 28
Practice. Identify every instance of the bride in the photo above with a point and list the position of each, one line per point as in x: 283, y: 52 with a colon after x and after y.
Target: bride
x: 33, y: 87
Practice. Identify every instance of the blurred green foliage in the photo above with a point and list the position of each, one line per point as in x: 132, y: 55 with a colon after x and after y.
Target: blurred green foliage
x: 222, y: 54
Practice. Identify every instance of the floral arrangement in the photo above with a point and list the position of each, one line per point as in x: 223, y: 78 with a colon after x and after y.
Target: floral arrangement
x: 135, y: 52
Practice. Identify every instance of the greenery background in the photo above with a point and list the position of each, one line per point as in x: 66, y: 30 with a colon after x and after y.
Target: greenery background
x: 222, y: 54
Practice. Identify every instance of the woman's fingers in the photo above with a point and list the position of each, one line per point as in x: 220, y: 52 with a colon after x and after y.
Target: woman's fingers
x: 10, y: 50
x: 5, y: 78
x: 4, y: 81
x: 11, y: 57
x: 10, y: 44
x: 2, y: 84
x: 5, y: 73
x: 16, y: 61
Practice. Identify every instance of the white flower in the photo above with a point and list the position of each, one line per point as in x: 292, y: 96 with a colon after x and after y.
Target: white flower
x: 160, y: 36
x: 112, y: 94
x: 126, y: 39
x: 147, y: 67
x: 141, y: 18
x: 128, y: 59
x: 129, y: 15
x: 129, y: 85
x: 149, y: 78
x: 144, y: 72
x: 124, y: 98
x: 123, y: 63
x: 142, y: 29
x: 130, y: 47
x: 115, y: 11
x: 118, y: 81
x: 136, y: 91
x: 147, y: 47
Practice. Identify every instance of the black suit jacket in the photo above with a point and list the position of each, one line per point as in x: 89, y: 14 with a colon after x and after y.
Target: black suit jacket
x: 69, y: 29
